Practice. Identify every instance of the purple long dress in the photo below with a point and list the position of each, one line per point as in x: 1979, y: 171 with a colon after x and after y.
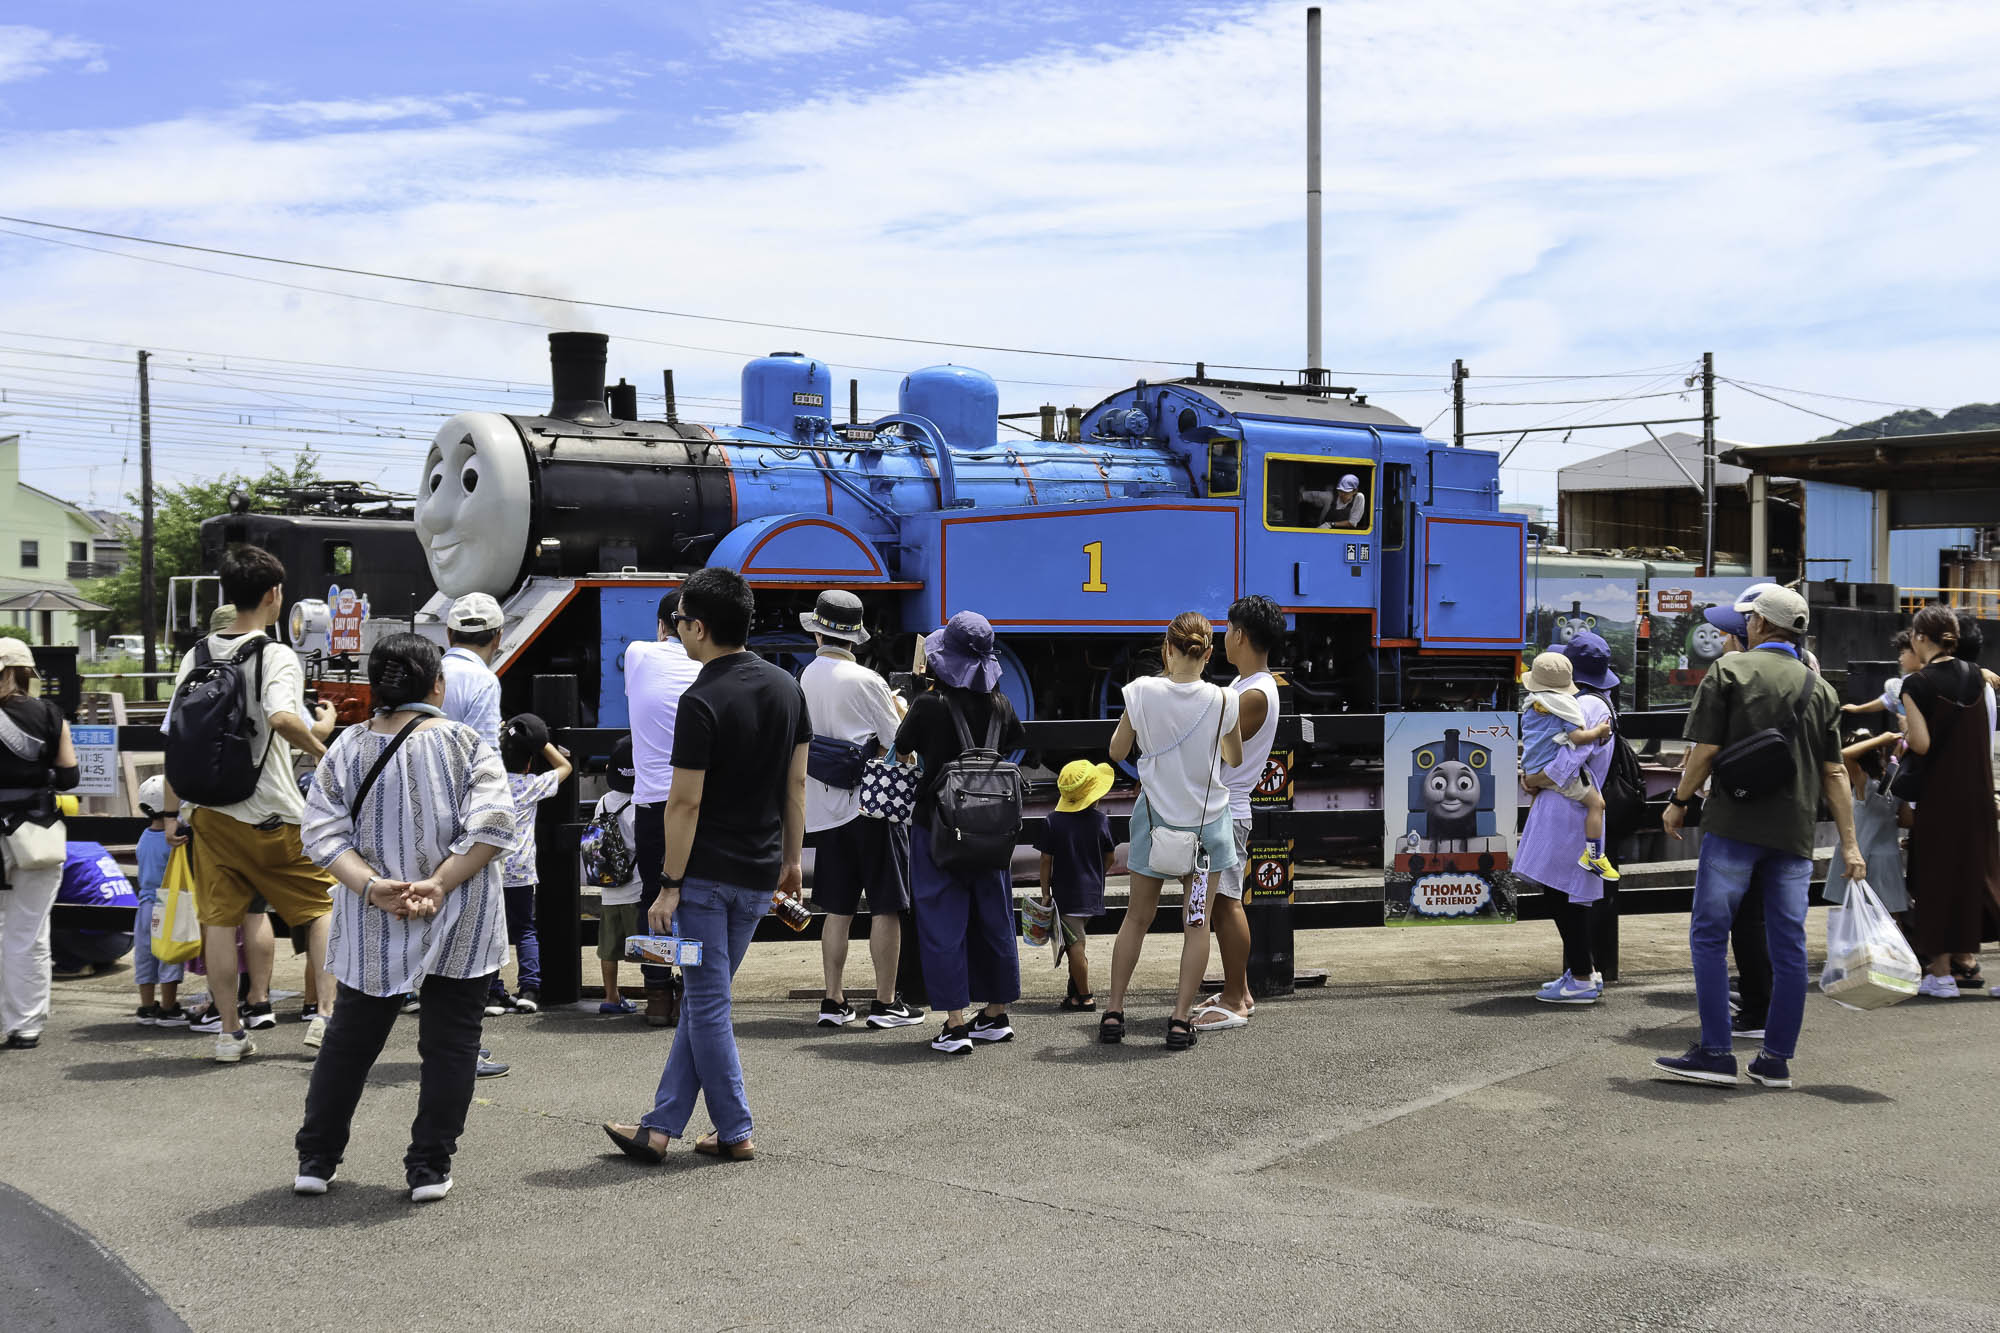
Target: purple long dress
x: 1554, y: 834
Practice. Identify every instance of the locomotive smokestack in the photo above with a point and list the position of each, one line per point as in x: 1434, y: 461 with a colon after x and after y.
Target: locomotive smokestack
x: 576, y: 369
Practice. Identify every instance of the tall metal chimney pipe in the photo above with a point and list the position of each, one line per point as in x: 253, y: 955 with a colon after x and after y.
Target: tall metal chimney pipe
x: 1312, y: 197
x: 576, y: 372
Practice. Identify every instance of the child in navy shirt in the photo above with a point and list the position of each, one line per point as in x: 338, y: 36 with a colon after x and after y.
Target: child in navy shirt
x: 1076, y: 847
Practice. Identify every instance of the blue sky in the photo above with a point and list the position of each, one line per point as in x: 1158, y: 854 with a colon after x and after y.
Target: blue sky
x: 1544, y: 189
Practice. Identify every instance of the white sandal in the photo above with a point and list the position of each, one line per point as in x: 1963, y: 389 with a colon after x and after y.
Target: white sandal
x: 1229, y: 1019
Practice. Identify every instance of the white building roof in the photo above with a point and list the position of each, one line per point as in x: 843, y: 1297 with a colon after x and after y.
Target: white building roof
x: 1646, y: 467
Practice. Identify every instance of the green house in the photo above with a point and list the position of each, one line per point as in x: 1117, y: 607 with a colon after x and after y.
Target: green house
x: 45, y: 542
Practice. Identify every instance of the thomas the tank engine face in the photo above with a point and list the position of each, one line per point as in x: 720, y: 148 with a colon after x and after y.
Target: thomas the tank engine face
x: 1451, y: 787
x: 1451, y: 791
x: 1705, y: 644
x: 473, y: 505
x: 1570, y: 624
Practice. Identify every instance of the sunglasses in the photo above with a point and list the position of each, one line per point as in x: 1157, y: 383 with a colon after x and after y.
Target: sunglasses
x: 680, y: 619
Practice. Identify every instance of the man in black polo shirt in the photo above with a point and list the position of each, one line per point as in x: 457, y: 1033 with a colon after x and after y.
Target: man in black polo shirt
x: 735, y: 827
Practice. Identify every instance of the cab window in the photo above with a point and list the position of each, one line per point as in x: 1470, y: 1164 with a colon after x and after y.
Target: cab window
x: 1304, y: 494
x: 1225, y: 468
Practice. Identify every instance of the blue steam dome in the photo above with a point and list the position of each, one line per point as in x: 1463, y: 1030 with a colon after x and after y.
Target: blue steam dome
x: 781, y: 387
x: 958, y: 400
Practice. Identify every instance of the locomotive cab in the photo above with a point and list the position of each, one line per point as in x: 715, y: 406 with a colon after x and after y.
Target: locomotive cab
x: 1386, y: 550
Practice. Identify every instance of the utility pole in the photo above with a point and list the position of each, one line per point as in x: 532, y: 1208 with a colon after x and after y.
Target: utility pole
x: 1708, y: 464
x: 148, y: 611
x: 1458, y: 403
x: 1312, y: 197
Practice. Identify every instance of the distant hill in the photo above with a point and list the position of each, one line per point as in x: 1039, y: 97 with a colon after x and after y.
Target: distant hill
x: 1922, y: 421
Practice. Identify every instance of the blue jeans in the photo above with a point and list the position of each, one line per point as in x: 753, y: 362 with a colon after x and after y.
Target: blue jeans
x: 1727, y: 870
x: 703, y: 1059
x: 521, y: 934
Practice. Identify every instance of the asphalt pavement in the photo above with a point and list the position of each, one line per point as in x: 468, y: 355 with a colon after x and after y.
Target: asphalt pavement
x: 1417, y: 1145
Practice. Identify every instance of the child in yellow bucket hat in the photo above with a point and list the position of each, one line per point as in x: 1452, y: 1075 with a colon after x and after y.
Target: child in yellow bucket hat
x: 1076, y: 847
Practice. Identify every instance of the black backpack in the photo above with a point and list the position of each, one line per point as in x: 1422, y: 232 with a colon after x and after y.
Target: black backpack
x: 607, y: 858
x: 1624, y: 789
x: 977, y: 819
x: 211, y: 737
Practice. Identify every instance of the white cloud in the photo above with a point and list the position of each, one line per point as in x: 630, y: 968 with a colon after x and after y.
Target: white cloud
x: 1538, y: 189
x: 774, y: 29
x: 617, y: 74
x: 371, y: 111
x: 27, y: 52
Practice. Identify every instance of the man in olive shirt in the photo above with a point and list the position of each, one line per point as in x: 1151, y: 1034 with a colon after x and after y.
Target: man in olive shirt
x: 1766, y: 840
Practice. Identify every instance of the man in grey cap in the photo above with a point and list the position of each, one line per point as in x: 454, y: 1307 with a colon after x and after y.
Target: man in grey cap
x: 1757, y: 827
x: 471, y: 690
x: 852, y: 713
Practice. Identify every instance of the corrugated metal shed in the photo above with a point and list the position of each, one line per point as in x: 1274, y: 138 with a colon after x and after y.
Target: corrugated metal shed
x: 1646, y: 467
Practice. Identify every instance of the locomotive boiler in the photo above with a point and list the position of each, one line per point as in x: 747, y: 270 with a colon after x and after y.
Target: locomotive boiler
x: 1400, y: 579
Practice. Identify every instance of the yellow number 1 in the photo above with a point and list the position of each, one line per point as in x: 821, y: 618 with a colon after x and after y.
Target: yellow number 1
x: 1095, y: 550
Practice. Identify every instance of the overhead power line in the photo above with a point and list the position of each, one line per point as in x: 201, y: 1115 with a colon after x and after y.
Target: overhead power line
x: 624, y: 307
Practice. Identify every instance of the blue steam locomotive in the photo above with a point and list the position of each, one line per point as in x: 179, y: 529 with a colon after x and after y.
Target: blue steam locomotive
x: 1400, y: 578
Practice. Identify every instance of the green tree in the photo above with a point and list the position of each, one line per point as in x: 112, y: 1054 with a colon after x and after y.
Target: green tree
x: 178, y: 513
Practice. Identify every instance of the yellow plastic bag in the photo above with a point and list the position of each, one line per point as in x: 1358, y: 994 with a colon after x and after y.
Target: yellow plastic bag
x: 176, y: 928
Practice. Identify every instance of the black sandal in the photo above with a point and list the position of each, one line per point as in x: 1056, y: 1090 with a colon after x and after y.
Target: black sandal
x: 639, y: 1149
x: 1076, y: 1002
x: 1180, y: 1034
x: 1111, y: 1027
x: 1970, y: 976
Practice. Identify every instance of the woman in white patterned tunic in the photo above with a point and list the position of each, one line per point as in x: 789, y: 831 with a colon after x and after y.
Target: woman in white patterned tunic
x: 419, y: 909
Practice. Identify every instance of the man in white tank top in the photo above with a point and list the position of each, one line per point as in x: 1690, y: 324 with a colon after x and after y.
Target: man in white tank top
x: 1256, y: 629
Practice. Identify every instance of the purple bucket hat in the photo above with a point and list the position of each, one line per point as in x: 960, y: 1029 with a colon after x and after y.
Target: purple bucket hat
x: 962, y: 654
x: 1590, y: 661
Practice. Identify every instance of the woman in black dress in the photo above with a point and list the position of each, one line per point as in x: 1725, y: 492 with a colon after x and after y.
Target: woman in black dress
x: 1954, y: 872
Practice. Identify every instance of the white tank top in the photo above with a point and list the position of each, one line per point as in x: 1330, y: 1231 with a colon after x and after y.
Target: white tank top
x: 1243, y: 778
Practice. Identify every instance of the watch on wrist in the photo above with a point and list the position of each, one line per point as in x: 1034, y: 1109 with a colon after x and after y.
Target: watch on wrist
x: 1677, y: 799
x: 671, y: 881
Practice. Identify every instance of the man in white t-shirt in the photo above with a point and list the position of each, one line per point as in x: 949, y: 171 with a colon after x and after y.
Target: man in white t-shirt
x: 252, y: 847
x: 471, y: 689
x: 851, y: 706
x: 656, y: 675
x: 1256, y: 630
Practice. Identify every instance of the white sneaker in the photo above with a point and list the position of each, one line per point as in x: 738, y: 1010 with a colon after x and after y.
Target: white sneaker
x: 315, y: 1032
x: 430, y: 1191
x: 1938, y: 988
x: 231, y: 1048
x: 305, y: 1184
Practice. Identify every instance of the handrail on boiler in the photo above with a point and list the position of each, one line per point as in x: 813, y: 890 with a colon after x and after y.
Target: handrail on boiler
x: 947, y: 474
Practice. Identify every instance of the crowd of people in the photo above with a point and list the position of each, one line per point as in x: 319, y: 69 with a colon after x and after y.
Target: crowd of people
x: 405, y: 863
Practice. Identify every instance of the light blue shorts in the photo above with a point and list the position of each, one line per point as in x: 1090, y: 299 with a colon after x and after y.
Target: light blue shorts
x: 146, y: 969
x: 1218, y: 837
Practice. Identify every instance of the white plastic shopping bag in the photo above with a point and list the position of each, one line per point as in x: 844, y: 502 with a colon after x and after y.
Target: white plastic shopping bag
x: 1869, y: 965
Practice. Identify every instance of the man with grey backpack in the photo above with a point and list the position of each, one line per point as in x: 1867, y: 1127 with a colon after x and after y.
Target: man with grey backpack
x: 1766, y: 729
